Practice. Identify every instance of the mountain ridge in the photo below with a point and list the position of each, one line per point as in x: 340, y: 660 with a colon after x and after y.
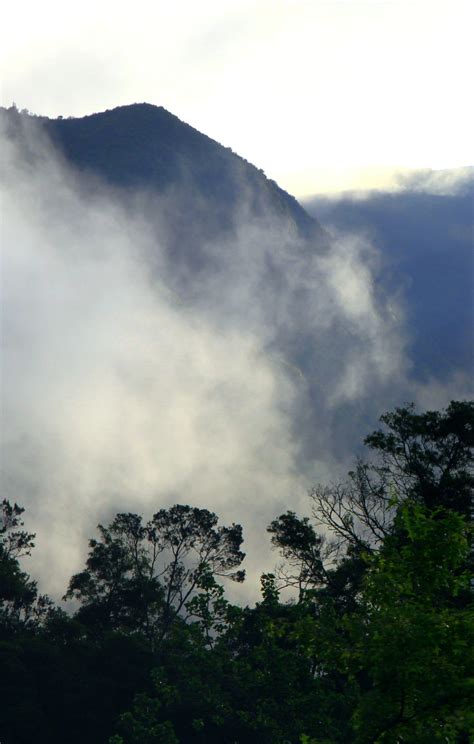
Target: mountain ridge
x: 141, y: 145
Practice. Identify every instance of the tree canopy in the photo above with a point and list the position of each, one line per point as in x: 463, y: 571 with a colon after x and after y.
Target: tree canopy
x: 373, y: 645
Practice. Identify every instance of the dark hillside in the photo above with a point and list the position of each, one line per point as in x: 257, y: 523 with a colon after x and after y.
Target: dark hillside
x: 145, y: 147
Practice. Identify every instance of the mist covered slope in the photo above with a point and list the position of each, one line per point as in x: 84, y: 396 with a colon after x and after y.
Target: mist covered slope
x: 176, y: 328
x: 427, y: 251
x: 145, y: 149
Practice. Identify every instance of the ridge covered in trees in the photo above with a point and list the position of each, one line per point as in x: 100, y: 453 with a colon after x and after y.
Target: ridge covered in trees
x: 374, y: 645
x: 145, y: 147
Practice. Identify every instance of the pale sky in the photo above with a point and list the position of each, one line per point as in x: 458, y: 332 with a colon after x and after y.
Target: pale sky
x: 321, y: 94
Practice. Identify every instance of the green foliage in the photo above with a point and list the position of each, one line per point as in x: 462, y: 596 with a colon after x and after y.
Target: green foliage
x: 376, y: 648
x: 253, y: 685
x: 208, y: 607
x: 392, y: 605
x: 143, y: 726
x: 408, y: 644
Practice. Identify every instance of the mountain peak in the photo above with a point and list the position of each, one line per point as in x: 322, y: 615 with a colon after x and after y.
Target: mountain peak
x: 145, y: 147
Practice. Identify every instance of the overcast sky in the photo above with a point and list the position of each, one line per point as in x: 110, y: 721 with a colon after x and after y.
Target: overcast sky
x: 319, y: 93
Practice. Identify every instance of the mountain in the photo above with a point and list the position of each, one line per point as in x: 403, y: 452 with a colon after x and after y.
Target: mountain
x: 231, y: 252
x: 177, y: 329
x: 141, y: 147
x: 426, y: 244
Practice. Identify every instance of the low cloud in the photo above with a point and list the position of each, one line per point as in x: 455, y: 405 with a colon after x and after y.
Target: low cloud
x: 442, y: 182
x: 128, y: 387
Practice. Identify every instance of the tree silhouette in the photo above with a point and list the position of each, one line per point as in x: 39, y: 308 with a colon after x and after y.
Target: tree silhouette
x: 139, y: 578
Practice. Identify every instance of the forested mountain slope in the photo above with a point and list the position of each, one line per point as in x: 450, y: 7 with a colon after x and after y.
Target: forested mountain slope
x: 146, y: 148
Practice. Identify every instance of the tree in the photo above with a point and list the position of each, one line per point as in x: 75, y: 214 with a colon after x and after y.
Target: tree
x: 408, y: 644
x: 376, y: 649
x: 14, y: 541
x: 20, y: 604
x: 392, y: 610
x: 253, y: 685
x: 141, y: 577
x: 300, y: 546
x: 428, y: 457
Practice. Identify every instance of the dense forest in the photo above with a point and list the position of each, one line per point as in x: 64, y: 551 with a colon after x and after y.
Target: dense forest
x: 363, y: 633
